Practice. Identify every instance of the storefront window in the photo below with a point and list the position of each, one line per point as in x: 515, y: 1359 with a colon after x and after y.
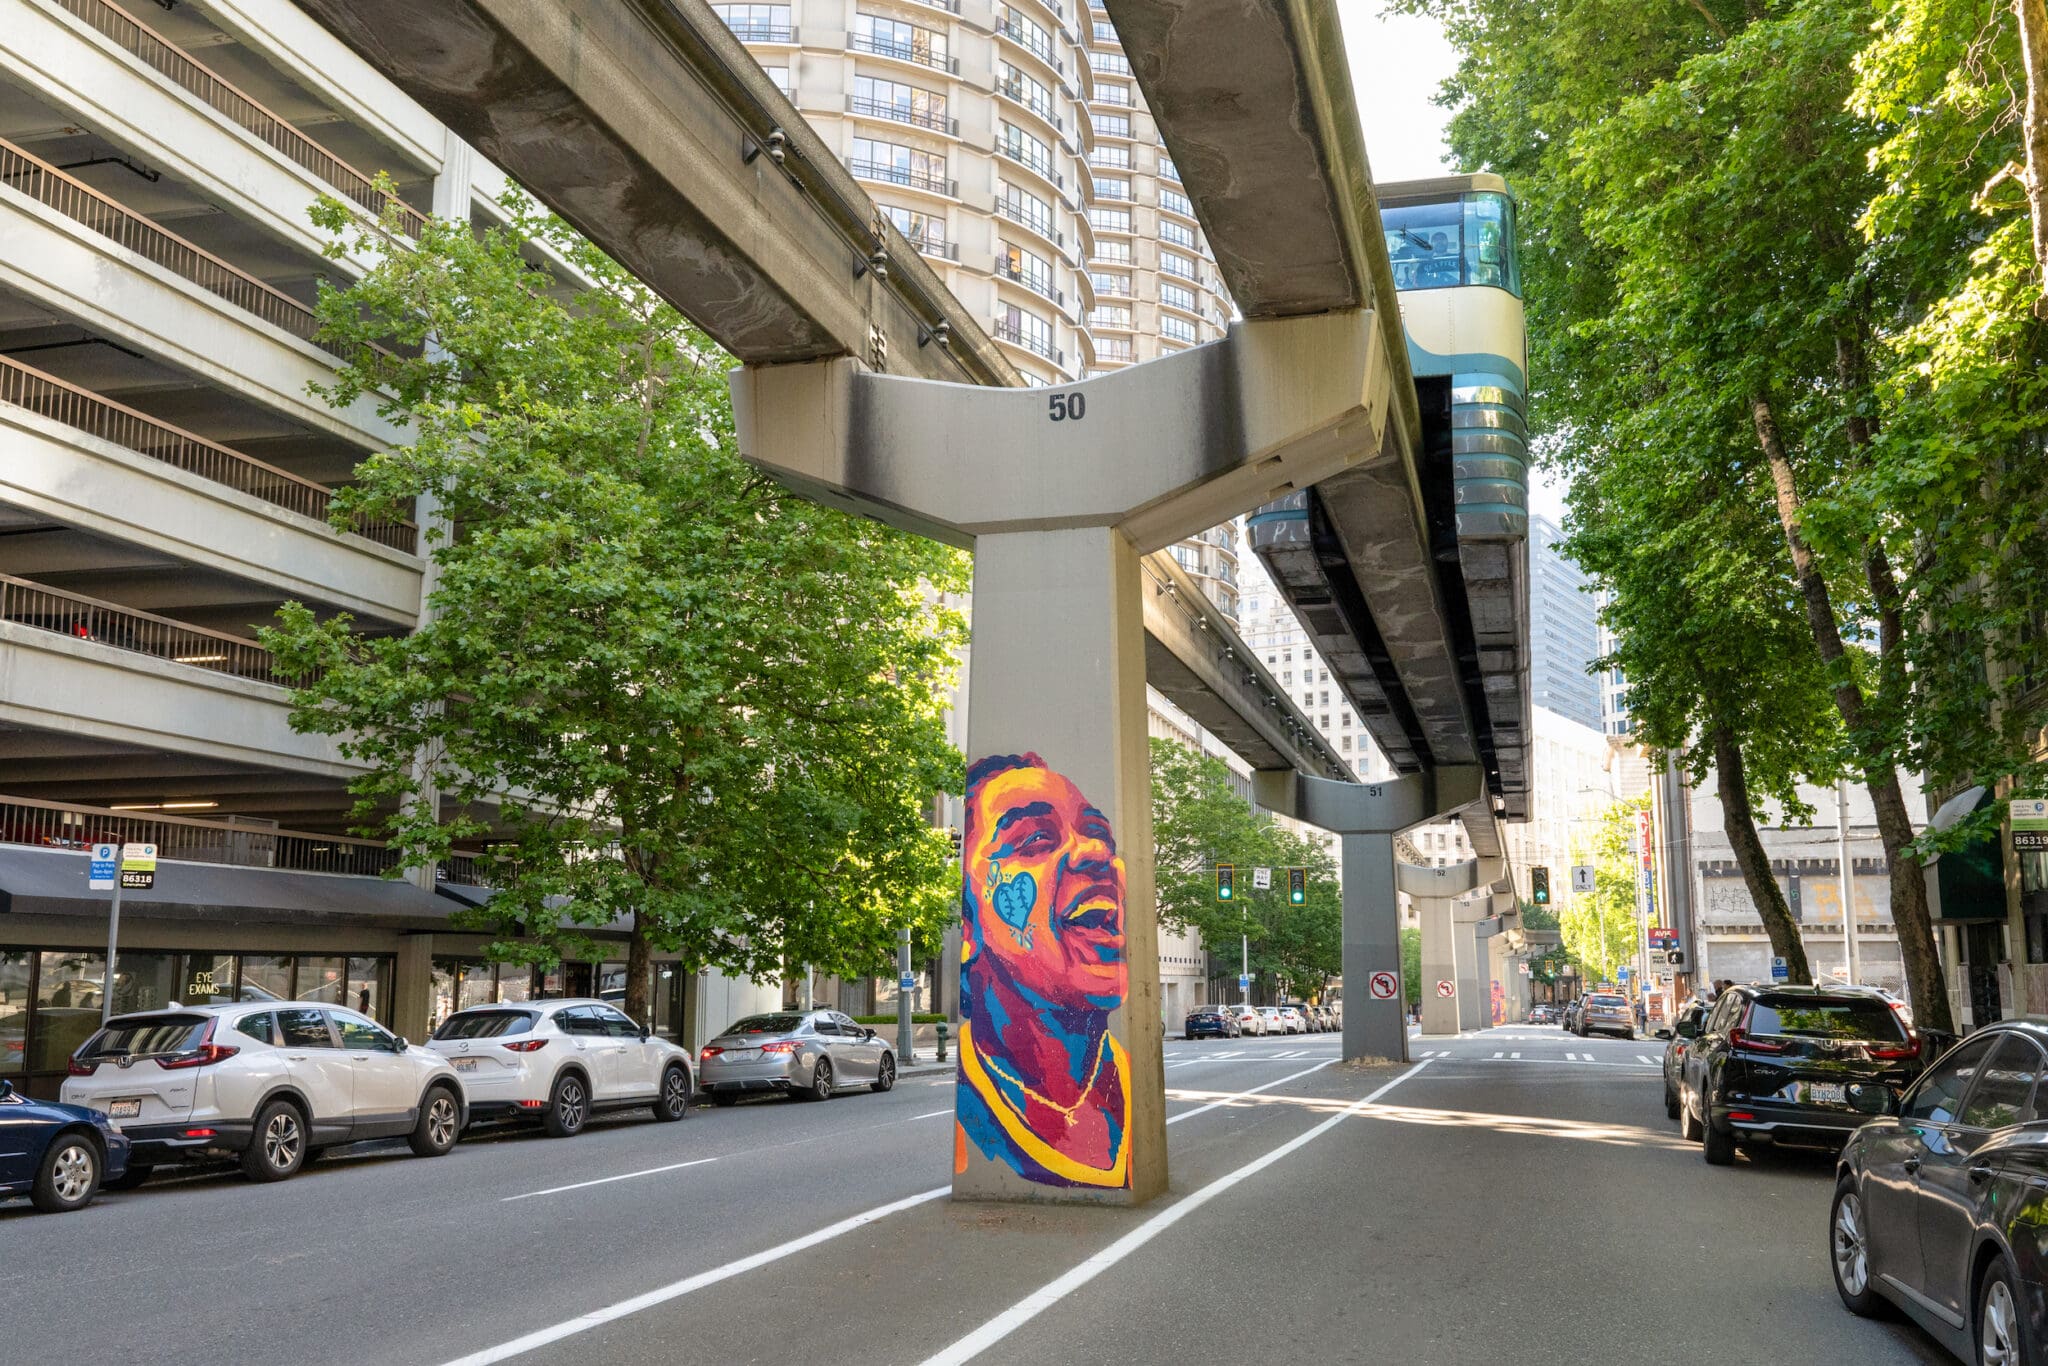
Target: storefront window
x: 206, y: 979
x: 13, y: 1013
x: 324, y: 980
x: 67, y: 1007
x: 479, y: 985
x: 369, y: 987
x: 145, y: 981
x: 515, y: 982
x: 266, y: 977
x: 447, y: 973
x: 2034, y: 903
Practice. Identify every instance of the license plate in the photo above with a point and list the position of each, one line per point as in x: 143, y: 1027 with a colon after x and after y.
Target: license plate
x: 465, y: 1064
x: 1826, y: 1092
x: 742, y: 1054
x: 124, y: 1109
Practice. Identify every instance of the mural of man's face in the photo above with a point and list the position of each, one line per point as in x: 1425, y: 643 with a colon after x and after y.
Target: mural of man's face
x: 1046, y: 890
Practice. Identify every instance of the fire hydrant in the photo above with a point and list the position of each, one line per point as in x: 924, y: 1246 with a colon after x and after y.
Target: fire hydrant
x: 942, y: 1041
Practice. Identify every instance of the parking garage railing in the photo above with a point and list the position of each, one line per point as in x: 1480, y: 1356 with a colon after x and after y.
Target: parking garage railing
x: 25, y: 603
x: 178, y: 66
x: 53, y: 398
x: 236, y: 841
x: 44, y: 183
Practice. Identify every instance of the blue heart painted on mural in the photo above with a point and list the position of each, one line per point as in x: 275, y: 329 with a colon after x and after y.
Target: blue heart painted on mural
x: 1014, y: 898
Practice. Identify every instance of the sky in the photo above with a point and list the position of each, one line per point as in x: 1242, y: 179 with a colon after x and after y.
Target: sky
x: 1397, y: 63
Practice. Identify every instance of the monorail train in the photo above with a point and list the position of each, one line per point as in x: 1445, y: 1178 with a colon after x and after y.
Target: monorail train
x: 1452, y: 244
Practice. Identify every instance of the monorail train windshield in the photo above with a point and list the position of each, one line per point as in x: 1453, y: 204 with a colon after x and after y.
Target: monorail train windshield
x: 1466, y: 239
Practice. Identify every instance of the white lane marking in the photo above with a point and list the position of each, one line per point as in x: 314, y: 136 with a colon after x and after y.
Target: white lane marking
x: 1036, y: 1303
x: 607, y: 1180
x: 1516, y: 1056
x: 1241, y: 1095
x: 1499, y: 1054
x: 934, y: 1114
x: 1646, y: 1059
x: 583, y: 1323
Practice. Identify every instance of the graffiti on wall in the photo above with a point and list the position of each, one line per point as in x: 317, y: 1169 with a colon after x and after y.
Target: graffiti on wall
x: 1044, y: 1087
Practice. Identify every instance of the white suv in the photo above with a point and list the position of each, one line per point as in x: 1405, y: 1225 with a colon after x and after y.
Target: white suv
x: 274, y: 1084
x: 560, y: 1062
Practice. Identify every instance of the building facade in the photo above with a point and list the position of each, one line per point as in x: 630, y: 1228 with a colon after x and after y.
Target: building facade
x: 1564, y: 633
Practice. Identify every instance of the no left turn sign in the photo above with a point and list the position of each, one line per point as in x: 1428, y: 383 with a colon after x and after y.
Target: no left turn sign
x: 1446, y: 989
x: 1384, y: 986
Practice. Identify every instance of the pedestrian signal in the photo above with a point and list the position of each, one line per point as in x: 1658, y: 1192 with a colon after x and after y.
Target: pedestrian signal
x: 1225, y: 882
x: 1297, y: 886
x: 1539, y: 890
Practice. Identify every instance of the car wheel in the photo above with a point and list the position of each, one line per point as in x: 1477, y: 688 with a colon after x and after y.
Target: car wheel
x: 277, y: 1144
x: 674, y: 1102
x: 725, y: 1100
x: 440, y: 1124
x: 885, y: 1075
x: 1670, y: 1102
x: 69, y: 1176
x: 821, y: 1081
x: 1688, y: 1124
x: 1717, y: 1147
x: 1849, y: 1251
x: 135, y: 1175
x: 568, y: 1106
x: 2002, y: 1336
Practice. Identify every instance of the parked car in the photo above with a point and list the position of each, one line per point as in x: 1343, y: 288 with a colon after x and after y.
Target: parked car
x: 1250, y: 1022
x: 1543, y: 1014
x: 271, y: 1085
x: 560, y: 1062
x: 812, y: 1053
x: 1793, y: 1065
x: 1276, y: 1023
x: 1568, y: 1018
x: 57, y: 1155
x: 1297, y: 1022
x: 1606, y: 1012
x: 1211, y: 1021
x: 1939, y: 1208
x: 1318, y: 1018
x: 1678, y: 1036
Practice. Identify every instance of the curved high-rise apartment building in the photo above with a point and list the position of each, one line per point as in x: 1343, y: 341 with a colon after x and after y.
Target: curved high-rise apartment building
x: 968, y: 125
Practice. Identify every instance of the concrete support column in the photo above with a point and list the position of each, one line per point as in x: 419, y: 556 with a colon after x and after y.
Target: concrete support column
x: 1439, y: 964
x: 412, y: 988
x: 1372, y: 944
x: 1474, y: 987
x: 1061, y: 1092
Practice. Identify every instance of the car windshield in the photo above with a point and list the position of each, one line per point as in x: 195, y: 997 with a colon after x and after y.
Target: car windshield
x: 1821, y: 1018
x: 766, y: 1024
x: 144, y: 1036
x: 485, y: 1024
x: 1606, y: 1001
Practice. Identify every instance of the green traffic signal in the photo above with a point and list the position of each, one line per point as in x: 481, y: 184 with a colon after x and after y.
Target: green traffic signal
x: 1297, y: 886
x: 1539, y: 885
x: 1226, y: 875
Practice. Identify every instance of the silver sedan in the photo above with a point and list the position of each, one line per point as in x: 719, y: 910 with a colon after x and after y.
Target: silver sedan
x: 811, y: 1053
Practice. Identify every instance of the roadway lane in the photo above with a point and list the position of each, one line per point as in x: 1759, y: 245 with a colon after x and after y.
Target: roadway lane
x: 377, y: 1255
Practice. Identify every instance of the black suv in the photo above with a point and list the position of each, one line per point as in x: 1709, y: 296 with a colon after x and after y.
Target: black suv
x: 1801, y: 1066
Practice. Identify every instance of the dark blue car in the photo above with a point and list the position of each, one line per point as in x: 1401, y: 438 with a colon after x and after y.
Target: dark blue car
x: 55, y: 1154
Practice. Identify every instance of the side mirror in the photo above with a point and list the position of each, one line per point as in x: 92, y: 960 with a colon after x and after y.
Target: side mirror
x: 6, y: 1088
x: 646, y: 1033
x: 400, y: 1044
x: 1663, y: 1033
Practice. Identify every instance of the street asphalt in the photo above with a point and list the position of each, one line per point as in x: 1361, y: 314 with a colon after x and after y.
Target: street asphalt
x: 1512, y: 1196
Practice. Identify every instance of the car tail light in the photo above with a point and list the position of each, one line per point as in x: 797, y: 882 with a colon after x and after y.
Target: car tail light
x: 709, y: 1053
x: 526, y: 1045
x: 199, y: 1133
x: 1894, y: 1052
x: 207, y: 1053
x: 81, y: 1068
x: 1742, y: 1116
x: 532, y: 1104
x: 1742, y: 1038
x: 786, y: 1046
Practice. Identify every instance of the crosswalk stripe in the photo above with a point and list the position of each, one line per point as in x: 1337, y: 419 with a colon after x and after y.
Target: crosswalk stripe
x: 1515, y: 1055
x: 1499, y: 1054
x: 1645, y: 1057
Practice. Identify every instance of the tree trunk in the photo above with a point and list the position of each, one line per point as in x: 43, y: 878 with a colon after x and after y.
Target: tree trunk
x: 640, y: 976
x: 1910, y: 915
x: 2033, y: 17
x: 1738, y: 820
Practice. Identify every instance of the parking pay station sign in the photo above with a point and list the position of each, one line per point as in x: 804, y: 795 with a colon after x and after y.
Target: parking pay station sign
x: 100, y: 877
x: 2030, y: 824
x: 138, y: 867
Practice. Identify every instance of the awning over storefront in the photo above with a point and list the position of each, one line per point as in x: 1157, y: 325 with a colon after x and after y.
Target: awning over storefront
x: 1967, y: 883
x: 35, y: 881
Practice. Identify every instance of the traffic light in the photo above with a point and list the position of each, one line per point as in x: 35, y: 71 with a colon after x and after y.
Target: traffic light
x: 1226, y: 889
x: 1297, y: 886
x: 1539, y: 885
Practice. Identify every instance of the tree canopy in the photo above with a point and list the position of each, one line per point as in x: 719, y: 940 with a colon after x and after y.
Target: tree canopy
x: 666, y: 691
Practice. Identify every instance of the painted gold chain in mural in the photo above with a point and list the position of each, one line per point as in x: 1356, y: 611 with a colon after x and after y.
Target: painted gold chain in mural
x: 1069, y: 1112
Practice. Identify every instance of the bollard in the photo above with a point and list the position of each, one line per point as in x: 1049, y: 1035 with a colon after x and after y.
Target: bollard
x: 942, y: 1041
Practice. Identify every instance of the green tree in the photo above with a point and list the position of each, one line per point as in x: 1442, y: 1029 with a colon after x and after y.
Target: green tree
x: 1601, y: 931
x: 671, y: 693
x: 1198, y: 821
x: 1411, y: 964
